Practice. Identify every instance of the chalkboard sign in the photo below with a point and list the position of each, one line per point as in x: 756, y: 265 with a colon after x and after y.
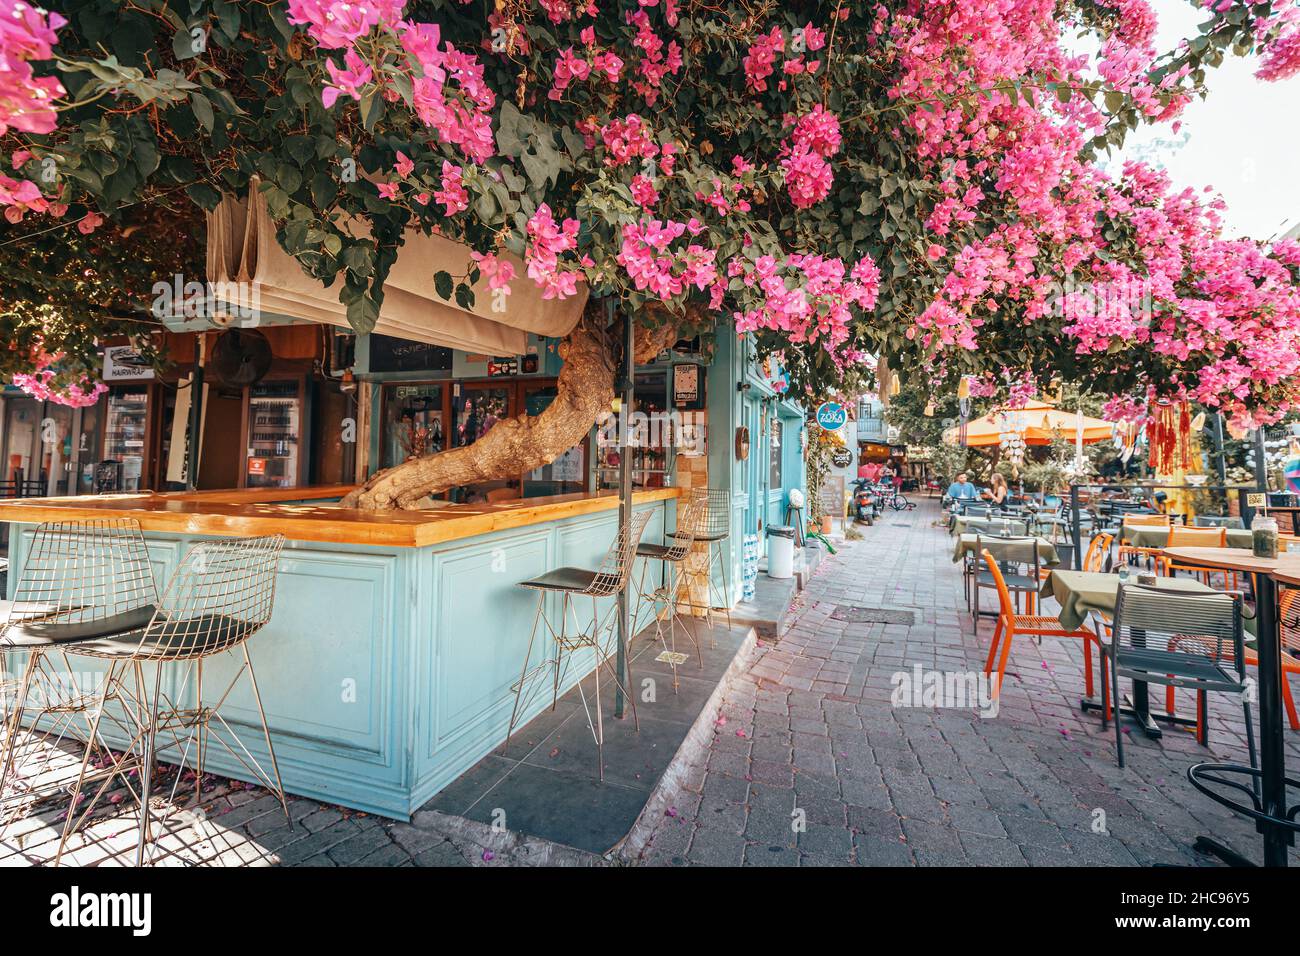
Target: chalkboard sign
x: 391, y: 354
x: 832, y: 497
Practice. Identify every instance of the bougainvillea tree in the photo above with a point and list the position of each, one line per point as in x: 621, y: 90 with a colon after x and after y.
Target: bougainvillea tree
x: 914, y: 178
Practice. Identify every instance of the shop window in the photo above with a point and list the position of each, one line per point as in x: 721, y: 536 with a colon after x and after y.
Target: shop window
x: 476, y: 411
x: 568, y: 473
x: 412, y: 422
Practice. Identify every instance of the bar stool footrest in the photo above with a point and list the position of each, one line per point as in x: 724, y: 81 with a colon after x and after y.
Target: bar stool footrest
x: 1206, y: 776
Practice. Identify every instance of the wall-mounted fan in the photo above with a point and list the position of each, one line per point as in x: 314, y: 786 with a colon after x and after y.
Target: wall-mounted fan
x: 240, y: 357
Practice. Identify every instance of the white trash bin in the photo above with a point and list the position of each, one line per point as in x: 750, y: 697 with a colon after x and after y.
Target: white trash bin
x: 780, y: 551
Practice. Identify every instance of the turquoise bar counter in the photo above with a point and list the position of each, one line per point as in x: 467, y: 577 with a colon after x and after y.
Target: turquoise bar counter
x: 386, y: 667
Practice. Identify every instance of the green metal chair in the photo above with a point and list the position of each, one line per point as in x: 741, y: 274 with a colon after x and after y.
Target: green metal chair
x: 1178, y: 639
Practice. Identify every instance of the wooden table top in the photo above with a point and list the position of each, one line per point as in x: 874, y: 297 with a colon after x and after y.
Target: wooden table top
x: 247, y: 512
x: 1236, y: 559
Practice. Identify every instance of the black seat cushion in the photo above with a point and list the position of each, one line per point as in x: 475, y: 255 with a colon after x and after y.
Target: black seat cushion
x: 562, y: 579
x: 48, y: 631
x: 191, y: 637
x: 710, y: 537
x: 649, y: 550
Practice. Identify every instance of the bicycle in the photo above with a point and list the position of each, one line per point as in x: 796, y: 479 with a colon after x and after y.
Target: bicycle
x: 891, y: 496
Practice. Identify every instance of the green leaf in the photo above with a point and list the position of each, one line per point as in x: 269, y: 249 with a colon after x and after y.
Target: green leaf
x: 372, y: 109
x: 442, y: 284
x: 363, y: 314
x: 203, y: 110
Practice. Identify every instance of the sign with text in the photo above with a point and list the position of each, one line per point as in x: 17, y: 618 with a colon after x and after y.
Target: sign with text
x: 124, y: 364
x: 831, y: 415
x: 389, y: 354
x: 688, y: 388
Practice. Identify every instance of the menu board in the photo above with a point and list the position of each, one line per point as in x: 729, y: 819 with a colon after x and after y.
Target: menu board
x: 688, y: 386
x: 832, y: 497
x: 391, y: 354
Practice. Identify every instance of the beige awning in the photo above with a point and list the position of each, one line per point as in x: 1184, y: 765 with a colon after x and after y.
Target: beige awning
x: 242, y: 253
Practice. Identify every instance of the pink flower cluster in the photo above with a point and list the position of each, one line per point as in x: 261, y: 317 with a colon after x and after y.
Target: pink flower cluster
x: 655, y: 267
x: 39, y: 385
x: 760, y: 61
x: 27, y: 101
x: 807, y: 298
x: 452, y: 193
x: 448, y: 93
x: 547, y: 241
x: 570, y: 66
x: 815, y: 138
x: 498, y: 272
x: 658, y: 60
x: 1280, y: 44
x: 628, y: 139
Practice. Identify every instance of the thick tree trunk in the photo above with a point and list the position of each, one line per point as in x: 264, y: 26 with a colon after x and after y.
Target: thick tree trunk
x: 584, y: 390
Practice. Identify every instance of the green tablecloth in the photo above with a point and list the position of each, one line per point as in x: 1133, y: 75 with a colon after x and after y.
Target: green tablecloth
x: 1047, y: 555
x: 1082, y: 592
x: 1151, y: 537
x: 964, y: 525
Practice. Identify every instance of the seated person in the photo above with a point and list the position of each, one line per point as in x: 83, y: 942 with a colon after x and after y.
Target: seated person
x: 962, y: 489
x: 998, y: 492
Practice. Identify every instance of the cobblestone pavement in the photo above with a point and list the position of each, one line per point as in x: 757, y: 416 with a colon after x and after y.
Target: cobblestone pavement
x: 808, y: 736
x: 811, y: 765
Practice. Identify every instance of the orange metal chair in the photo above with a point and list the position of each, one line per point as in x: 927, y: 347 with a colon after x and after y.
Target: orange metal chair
x: 1010, y: 624
x: 1290, y: 624
x: 1180, y: 537
x: 1095, y: 557
x: 1127, y: 551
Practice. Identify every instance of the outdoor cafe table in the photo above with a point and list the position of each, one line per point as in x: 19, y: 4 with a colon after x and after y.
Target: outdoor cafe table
x: 961, y: 524
x: 1266, y: 573
x: 966, y: 545
x: 1140, y: 536
x: 1083, y: 592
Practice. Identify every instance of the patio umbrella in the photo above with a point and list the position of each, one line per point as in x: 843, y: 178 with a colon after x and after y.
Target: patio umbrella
x: 1038, y: 422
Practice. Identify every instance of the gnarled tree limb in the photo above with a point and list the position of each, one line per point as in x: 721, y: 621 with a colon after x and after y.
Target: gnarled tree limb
x: 584, y: 390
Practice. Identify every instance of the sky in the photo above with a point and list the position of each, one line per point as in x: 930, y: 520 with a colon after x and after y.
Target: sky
x: 1243, y: 139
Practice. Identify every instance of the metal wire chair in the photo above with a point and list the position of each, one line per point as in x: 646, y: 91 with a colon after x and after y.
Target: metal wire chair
x: 672, y: 553
x: 1011, y: 552
x: 607, y: 580
x: 714, y: 531
x: 80, y: 581
x: 1178, y: 639
x: 221, y: 594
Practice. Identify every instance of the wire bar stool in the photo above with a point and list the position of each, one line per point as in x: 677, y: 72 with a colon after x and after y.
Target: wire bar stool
x: 714, y: 530
x: 220, y: 595
x: 80, y: 581
x: 606, y: 581
x: 672, y: 553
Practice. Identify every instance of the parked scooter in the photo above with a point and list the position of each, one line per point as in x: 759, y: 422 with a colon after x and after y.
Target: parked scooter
x: 865, y: 508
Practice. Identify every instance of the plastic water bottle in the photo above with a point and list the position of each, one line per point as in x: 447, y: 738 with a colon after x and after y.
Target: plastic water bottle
x: 1123, y: 574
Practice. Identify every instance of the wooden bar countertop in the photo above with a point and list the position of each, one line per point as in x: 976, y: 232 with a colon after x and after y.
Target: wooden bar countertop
x: 254, y: 511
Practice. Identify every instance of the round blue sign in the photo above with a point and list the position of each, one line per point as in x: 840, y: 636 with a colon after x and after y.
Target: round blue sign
x: 831, y: 415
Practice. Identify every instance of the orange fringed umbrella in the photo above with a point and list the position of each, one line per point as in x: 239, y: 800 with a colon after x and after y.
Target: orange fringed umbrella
x: 1038, y: 422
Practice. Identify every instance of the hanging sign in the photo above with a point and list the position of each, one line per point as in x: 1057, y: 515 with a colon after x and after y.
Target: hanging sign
x: 831, y: 416
x: 124, y: 364
x: 688, y: 391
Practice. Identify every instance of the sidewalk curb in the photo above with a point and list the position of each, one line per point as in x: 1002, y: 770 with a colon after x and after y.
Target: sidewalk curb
x: 692, y: 752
